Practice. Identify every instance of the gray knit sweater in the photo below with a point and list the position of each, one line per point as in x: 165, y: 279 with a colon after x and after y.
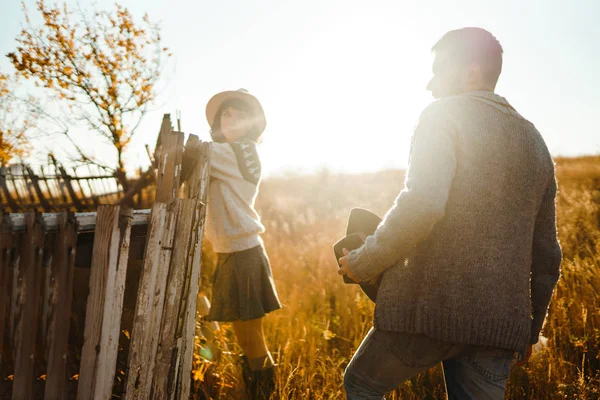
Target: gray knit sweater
x: 473, y: 231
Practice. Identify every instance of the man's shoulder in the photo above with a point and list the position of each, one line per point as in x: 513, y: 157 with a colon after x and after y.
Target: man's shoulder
x: 442, y: 108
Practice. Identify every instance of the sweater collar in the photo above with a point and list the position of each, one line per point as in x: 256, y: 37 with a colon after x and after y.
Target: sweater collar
x: 493, y: 100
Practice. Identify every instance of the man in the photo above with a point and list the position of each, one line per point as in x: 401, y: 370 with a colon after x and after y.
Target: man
x: 471, y: 234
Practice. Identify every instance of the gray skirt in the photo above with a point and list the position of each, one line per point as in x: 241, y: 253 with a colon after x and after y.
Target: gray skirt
x: 243, y: 286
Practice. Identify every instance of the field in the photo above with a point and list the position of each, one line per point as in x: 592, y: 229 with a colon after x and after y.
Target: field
x: 323, y: 321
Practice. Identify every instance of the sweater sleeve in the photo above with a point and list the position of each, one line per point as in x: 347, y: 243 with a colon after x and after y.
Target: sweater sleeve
x: 546, y: 259
x: 421, y: 204
x: 223, y: 162
x: 238, y: 160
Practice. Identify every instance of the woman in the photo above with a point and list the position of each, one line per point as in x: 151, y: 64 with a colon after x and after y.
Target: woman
x: 243, y: 288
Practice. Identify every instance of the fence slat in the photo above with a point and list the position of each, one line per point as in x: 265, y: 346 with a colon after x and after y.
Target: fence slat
x: 9, y: 199
x: 169, y: 167
x: 165, y: 128
x: 15, y: 298
x: 150, y: 300
x: 197, y: 187
x: 50, y: 243
x: 59, y: 309
x: 105, y: 303
x: 22, y: 189
x: 5, y: 245
x: 27, y: 305
x: 168, y: 350
x: 27, y: 184
x: 38, y: 190
x: 67, y: 180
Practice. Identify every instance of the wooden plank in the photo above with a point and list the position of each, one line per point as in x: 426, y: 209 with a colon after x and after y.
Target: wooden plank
x: 67, y: 180
x: 41, y: 355
x: 165, y: 127
x: 5, y: 284
x: 150, y: 300
x: 105, y: 303
x: 168, y: 347
x: 17, y: 183
x: 16, y: 294
x: 27, y: 184
x: 86, y: 222
x: 59, y: 182
x: 26, y: 313
x: 53, y: 193
x: 50, y: 243
x: 59, y: 311
x: 11, y: 202
x: 197, y: 189
x: 194, y: 183
x: 190, y: 157
x: 169, y: 167
x: 9, y: 349
x: 38, y: 190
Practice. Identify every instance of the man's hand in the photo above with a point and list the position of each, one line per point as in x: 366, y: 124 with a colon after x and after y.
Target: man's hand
x: 525, y: 359
x: 344, y: 269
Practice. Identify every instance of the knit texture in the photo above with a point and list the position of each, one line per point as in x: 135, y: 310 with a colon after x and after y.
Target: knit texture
x: 472, y: 232
x: 232, y: 223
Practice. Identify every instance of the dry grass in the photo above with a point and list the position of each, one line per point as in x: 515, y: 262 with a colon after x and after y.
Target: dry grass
x: 323, y: 321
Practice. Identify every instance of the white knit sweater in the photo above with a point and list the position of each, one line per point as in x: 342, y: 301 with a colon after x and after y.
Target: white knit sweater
x: 232, y: 223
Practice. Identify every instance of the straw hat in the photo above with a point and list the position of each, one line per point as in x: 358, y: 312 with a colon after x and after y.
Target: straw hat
x: 215, y: 102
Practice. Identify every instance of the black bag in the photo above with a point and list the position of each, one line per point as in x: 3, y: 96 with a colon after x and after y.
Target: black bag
x: 359, y: 221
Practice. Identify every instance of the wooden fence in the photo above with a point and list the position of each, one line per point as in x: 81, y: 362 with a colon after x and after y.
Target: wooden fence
x: 51, y: 188
x: 41, y: 259
x: 54, y: 187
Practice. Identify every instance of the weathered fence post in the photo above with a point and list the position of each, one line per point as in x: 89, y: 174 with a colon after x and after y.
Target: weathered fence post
x: 167, y: 355
x: 150, y: 299
x: 157, y: 258
x: 197, y: 187
x: 105, y: 303
x: 27, y: 305
x: 172, y: 369
x: 59, y: 306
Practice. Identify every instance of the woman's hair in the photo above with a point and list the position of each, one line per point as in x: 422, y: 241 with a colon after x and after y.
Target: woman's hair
x: 239, y: 105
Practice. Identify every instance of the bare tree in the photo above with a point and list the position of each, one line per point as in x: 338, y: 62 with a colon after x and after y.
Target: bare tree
x: 104, y: 66
x: 15, y: 122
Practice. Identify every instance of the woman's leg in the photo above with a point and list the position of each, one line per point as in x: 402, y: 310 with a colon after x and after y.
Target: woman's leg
x: 258, y: 366
x: 251, y: 338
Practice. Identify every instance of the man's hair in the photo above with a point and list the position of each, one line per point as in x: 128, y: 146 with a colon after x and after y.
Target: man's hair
x: 474, y: 46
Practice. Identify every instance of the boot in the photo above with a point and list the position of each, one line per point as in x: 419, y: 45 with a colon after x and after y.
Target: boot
x: 264, y: 383
x: 247, y: 376
x: 259, y: 384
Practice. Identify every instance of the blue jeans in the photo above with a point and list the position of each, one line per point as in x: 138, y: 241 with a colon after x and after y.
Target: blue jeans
x: 386, y: 359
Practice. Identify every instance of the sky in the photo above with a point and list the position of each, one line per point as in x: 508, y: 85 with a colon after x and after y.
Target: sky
x: 343, y: 82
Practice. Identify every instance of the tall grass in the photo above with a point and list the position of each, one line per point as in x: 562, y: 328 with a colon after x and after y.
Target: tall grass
x: 323, y: 321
